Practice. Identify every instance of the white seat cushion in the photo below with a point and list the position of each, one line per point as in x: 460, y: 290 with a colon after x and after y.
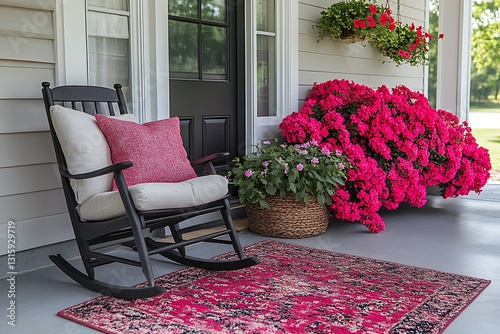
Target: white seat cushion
x: 156, y: 196
x: 85, y: 149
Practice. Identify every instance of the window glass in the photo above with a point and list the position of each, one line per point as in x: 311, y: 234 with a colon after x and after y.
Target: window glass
x: 198, y: 41
x: 109, y: 4
x: 183, y: 8
x: 214, y: 50
x: 266, y: 58
x: 266, y: 14
x: 108, y: 49
x: 266, y: 76
x: 213, y: 10
x: 183, y: 46
x: 434, y: 30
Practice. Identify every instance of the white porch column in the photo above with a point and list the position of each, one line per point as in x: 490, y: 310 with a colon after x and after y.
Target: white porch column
x: 453, y: 77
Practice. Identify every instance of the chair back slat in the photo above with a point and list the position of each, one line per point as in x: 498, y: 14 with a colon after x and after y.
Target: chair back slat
x: 111, y: 109
x: 98, y: 108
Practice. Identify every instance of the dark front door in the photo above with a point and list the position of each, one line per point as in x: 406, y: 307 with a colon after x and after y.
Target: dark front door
x: 204, y: 73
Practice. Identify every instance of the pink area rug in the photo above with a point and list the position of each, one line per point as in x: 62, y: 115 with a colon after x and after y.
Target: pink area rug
x: 295, y: 289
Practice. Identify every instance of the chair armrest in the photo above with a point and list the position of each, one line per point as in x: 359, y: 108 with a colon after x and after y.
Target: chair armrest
x: 208, y: 161
x: 103, y: 171
x: 210, y: 158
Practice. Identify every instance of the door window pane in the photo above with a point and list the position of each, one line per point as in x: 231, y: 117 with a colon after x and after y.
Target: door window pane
x: 198, y: 39
x: 214, y: 50
x: 213, y: 10
x: 266, y: 76
x: 183, y: 8
x: 183, y: 46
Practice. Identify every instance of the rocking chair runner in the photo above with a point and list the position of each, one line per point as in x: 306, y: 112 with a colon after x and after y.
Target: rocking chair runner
x: 100, y: 215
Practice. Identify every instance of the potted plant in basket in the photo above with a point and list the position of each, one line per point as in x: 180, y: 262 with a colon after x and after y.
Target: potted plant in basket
x: 364, y: 20
x: 287, y: 188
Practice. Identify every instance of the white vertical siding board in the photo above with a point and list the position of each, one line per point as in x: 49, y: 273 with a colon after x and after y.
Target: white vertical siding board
x: 26, y: 179
x: 28, y: 148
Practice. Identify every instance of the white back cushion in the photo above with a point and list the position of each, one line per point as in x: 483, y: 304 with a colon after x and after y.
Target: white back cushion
x: 85, y: 149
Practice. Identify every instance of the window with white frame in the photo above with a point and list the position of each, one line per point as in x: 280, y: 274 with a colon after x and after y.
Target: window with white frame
x: 272, y: 66
x: 109, y: 43
x: 266, y: 58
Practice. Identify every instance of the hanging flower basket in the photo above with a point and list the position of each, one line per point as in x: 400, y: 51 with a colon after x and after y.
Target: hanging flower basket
x: 288, y: 218
x: 364, y: 20
x: 351, y: 36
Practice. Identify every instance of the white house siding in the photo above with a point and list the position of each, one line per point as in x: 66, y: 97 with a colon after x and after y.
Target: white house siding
x: 327, y: 60
x: 30, y: 191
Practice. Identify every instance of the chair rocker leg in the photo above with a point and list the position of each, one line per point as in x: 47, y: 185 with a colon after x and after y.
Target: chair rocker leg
x: 117, y: 291
x: 228, y: 220
x: 200, y: 262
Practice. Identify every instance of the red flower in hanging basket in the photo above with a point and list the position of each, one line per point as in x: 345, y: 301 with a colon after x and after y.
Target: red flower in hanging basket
x: 359, y: 24
x: 371, y: 21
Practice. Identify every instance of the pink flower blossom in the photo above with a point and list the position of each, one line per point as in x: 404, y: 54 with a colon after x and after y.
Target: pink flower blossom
x: 300, y: 167
x: 396, y: 143
x: 325, y: 151
x: 248, y: 172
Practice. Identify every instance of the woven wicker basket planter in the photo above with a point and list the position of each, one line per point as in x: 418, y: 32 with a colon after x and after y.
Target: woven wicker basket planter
x: 288, y: 218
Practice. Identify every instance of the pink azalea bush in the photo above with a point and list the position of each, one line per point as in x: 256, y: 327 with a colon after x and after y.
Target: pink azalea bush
x: 396, y: 142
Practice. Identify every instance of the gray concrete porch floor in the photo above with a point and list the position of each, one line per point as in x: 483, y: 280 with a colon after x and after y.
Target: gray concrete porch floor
x: 459, y: 235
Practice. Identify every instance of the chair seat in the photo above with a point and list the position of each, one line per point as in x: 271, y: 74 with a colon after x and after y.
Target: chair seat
x: 156, y: 196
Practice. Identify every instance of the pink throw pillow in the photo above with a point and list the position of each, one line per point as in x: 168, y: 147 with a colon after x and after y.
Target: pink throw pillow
x: 155, y: 148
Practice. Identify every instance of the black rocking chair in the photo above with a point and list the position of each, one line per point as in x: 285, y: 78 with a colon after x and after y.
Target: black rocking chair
x: 88, y: 191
